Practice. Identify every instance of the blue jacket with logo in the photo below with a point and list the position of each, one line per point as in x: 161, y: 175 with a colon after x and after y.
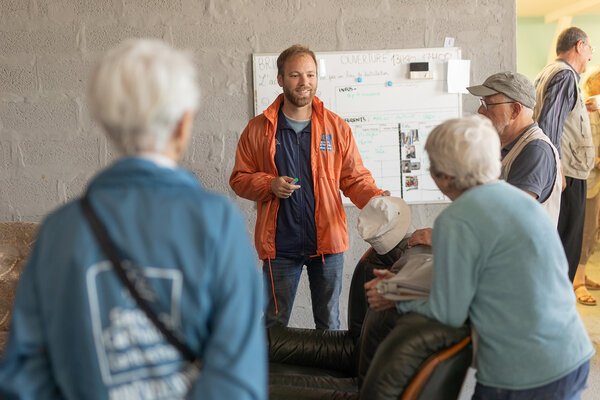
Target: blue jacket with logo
x: 77, y: 334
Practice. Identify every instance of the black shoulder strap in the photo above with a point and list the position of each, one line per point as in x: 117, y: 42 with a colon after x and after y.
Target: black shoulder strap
x: 110, y: 251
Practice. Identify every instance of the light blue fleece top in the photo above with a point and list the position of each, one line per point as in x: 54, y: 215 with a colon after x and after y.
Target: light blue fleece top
x: 77, y: 334
x: 498, y: 261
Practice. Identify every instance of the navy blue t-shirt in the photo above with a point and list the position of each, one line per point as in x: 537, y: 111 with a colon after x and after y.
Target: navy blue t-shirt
x: 534, y: 169
x: 296, y: 231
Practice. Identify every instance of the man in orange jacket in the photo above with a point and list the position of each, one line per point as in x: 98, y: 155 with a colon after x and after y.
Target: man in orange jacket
x: 293, y: 159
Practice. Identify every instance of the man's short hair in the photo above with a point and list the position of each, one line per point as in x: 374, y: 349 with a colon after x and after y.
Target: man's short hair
x: 295, y: 50
x: 140, y: 90
x: 569, y: 39
x: 467, y: 149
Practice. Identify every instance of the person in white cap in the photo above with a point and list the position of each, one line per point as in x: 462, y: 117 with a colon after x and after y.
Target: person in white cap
x: 383, y: 222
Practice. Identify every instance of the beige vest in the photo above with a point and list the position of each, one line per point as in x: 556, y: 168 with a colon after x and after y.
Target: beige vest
x: 577, y: 148
x: 552, y: 203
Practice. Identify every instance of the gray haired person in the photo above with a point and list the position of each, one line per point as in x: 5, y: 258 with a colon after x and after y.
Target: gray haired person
x: 561, y: 114
x: 76, y: 331
x: 498, y: 262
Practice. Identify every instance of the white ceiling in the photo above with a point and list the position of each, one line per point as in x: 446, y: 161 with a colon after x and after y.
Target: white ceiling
x: 553, y: 10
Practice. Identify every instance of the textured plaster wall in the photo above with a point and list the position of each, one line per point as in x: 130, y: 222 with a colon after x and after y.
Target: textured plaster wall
x: 49, y: 147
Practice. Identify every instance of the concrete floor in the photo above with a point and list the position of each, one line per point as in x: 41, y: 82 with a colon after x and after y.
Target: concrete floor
x: 591, y: 319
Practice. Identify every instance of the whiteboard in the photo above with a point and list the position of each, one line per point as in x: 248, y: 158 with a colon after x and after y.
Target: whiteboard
x: 390, y: 114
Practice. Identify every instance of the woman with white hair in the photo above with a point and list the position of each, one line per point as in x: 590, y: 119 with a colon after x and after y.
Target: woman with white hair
x: 175, y: 312
x: 498, y: 262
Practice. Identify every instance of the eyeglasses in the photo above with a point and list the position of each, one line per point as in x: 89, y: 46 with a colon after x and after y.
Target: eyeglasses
x: 592, y: 48
x: 486, y: 105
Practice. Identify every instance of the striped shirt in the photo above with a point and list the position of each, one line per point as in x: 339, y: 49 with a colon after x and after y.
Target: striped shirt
x: 563, y: 89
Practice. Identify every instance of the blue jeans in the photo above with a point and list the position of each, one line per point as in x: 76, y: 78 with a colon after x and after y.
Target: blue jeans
x: 568, y: 387
x: 325, y: 280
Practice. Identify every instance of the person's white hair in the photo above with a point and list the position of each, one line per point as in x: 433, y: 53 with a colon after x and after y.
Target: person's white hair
x: 467, y: 149
x: 140, y: 90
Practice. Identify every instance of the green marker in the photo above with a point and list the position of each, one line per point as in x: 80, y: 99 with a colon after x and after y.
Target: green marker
x: 296, y: 180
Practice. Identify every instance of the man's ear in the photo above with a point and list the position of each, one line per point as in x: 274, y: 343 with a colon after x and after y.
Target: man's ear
x: 184, y: 125
x: 280, y: 80
x: 517, y: 108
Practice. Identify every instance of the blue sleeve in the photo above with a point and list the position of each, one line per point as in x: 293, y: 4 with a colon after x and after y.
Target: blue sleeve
x: 25, y: 370
x: 235, y: 359
x: 559, y: 100
x: 455, y: 255
x: 534, y: 169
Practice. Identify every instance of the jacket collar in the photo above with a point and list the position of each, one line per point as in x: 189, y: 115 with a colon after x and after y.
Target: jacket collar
x: 273, y: 110
x: 571, y: 67
x: 128, y: 170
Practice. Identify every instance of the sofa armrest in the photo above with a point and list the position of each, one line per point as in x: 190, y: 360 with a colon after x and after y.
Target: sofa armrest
x: 332, y: 350
x: 420, y: 358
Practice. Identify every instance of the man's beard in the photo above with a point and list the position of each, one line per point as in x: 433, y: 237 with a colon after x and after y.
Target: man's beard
x: 297, y: 100
x: 500, y: 126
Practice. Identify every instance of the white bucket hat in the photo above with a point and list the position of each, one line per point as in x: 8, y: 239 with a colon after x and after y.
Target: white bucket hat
x: 383, y: 222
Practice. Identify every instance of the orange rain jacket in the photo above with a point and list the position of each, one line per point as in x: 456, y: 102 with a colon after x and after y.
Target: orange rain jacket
x: 341, y: 168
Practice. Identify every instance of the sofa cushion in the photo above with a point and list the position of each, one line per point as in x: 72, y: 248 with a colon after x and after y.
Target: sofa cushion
x: 16, y: 239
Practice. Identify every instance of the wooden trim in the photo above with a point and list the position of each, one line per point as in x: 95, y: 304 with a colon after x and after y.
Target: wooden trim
x: 414, y: 388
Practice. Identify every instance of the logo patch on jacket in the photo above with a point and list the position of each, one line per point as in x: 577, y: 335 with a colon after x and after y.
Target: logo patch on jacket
x: 325, y: 142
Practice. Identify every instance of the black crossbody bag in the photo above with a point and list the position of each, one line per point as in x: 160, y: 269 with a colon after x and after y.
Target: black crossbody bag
x: 110, y: 251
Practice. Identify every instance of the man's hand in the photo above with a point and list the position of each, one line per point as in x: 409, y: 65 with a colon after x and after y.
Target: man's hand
x: 420, y: 236
x: 282, y: 186
x: 376, y: 301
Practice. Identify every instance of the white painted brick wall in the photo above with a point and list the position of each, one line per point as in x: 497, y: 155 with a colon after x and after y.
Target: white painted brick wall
x: 49, y: 147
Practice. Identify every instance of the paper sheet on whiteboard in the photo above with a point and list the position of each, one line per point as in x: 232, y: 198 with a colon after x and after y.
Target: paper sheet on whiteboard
x: 458, y: 75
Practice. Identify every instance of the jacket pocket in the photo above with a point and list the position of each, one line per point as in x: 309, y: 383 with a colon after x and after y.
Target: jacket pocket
x: 582, y: 156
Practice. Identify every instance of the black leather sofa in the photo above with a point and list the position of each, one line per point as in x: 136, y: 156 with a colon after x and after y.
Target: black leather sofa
x: 382, y: 355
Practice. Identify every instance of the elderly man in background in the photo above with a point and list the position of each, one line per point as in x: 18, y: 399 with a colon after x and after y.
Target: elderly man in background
x: 561, y: 114
x: 591, y: 226
x: 76, y: 331
x: 529, y: 160
x: 498, y: 262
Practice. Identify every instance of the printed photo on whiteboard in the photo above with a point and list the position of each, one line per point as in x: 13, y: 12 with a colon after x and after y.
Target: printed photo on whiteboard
x: 411, y: 182
x: 415, y: 165
x: 409, y: 137
x: 406, y: 166
x: 411, y: 151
